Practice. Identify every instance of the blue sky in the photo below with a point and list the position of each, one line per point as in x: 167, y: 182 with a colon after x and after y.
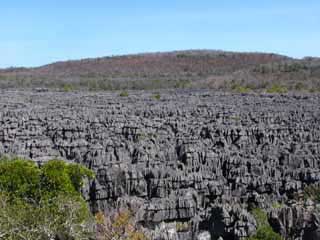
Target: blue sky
x: 34, y: 32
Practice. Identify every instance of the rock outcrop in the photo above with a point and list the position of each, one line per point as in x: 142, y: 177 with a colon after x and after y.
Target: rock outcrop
x: 191, y: 164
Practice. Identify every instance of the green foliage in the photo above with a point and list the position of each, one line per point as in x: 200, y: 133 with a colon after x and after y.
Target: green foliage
x: 240, y: 89
x: 300, y: 86
x: 49, y: 218
x: 58, y: 176
x: 275, y: 88
x: 41, y: 202
x: 124, y: 94
x: 281, y: 67
x: 55, y: 178
x: 264, y: 230
x: 67, y: 87
x: 314, y: 90
x: 182, y: 55
x: 77, y: 173
x: 157, y: 96
x: 277, y: 205
x: 260, y: 216
x: 312, y: 192
x: 24, y: 179
x: 19, y: 178
x: 182, y: 84
x: 265, y: 233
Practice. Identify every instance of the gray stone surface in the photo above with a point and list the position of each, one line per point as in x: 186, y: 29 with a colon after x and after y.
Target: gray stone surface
x: 191, y: 164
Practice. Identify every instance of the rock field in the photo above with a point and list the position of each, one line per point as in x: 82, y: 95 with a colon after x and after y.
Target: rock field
x: 190, y: 164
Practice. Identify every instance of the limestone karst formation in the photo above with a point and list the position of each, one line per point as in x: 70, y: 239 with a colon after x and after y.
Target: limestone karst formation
x: 190, y: 163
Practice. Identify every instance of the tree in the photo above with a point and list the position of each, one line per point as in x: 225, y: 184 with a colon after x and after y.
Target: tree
x: 264, y: 231
x: 43, y: 202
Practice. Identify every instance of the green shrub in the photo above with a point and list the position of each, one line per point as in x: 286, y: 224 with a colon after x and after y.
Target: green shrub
x: 24, y: 179
x: 20, y: 178
x: 58, y: 216
x: 238, y: 88
x: 277, y: 205
x: 181, y: 84
x: 260, y: 216
x: 67, y: 87
x: 43, y: 202
x: 275, y: 88
x: 77, y: 173
x: 58, y: 176
x: 265, y: 233
x: 182, y: 55
x: 157, y: 96
x: 124, y: 94
x: 314, y: 90
x: 264, y: 230
x: 312, y: 192
x: 300, y: 86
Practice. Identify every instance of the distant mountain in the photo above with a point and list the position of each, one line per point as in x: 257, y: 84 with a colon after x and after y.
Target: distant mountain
x: 179, y: 69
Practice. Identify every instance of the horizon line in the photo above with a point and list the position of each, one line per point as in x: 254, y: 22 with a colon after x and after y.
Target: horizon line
x: 153, y: 52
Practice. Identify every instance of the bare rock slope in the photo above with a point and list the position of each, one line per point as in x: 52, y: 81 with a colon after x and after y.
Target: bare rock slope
x: 191, y: 164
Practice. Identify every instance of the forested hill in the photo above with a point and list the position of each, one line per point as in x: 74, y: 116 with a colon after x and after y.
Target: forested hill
x: 180, y: 69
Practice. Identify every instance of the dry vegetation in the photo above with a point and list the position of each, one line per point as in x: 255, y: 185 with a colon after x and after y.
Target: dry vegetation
x: 119, y: 226
x: 184, y: 69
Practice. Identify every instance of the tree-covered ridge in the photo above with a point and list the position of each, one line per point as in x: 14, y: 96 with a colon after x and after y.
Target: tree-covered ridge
x: 218, y: 70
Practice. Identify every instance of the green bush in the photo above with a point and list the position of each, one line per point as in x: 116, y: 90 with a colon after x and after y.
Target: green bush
x: 299, y: 86
x: 275, y: 88
x: 240, y: 89
x: 20, y: 178
x: 43, y: 202
x: 58, y: 176
x: 181, y: 84
x: 67, y: 87
x: 264, y: 230
x: 157, y: 96
x: 265, y: 233
x: 260, y: 216
x: 277, y: 205
x: 58, y: 216
x: 182, y: 55
x: 312, y: 192
x: 124, y: 94
x: 24, y: 179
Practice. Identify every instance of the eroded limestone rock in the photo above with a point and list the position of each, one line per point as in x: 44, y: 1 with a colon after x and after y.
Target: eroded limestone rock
x: 197, y: 160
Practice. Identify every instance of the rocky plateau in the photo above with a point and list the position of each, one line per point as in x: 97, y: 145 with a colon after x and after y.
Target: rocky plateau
x: 190, y: 164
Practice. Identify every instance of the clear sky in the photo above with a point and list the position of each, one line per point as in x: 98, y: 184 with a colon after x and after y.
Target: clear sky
x: 36, y: 32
